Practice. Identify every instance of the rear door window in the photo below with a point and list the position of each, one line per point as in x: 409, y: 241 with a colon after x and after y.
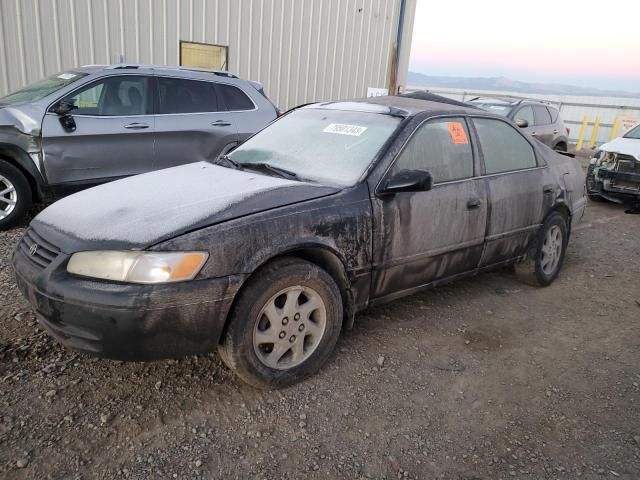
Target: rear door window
x: 233, y: 98
x: 554, y: 114
x: 441, y: 147
x: 504, y: 149
x: 186, y: 96
x: 525, y: 113
x: 542, y: 115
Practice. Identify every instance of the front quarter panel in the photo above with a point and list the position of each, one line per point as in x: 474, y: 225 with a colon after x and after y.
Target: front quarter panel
x: 340, y: 224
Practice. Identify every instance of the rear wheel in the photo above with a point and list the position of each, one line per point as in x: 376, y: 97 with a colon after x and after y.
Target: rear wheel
x: 15, y: 195
x: 546, y: 254
x: 284, y: 325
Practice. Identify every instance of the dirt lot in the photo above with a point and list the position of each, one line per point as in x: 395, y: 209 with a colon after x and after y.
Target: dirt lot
x: 484, y: 379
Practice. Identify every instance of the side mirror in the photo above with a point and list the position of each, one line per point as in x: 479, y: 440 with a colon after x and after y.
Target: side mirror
x: 522, y: 123
x: 408, y: 181
x: 64, y: 107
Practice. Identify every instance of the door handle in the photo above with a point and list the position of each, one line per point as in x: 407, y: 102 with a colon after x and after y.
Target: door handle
x: 533, y: 134
x: 473, y: 203
x: 136, y: 126
x: 548, y: 189
x: 221, y: 123
x: 556, y: 131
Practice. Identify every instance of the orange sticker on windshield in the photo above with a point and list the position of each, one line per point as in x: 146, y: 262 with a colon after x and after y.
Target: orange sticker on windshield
x: 458, y: 135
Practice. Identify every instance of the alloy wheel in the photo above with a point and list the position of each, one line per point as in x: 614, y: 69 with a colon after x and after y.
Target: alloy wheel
x: 8, y: 197
x: 551, y: 250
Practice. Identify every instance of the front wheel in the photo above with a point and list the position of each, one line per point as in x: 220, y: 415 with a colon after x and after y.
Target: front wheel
x: 15, y: 195
x: 284, y: 325
x: 546, y: 254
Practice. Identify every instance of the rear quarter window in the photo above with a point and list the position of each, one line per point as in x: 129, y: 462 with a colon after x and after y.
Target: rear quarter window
x: 234, y: 98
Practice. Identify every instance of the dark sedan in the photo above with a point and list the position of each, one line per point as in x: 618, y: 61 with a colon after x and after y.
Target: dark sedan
x: 268, y: 254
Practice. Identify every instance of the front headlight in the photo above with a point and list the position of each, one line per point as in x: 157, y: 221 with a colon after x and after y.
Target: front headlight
x: 137, y: 267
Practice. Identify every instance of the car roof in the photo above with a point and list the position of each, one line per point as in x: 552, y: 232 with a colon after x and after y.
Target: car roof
x: 400, y: 105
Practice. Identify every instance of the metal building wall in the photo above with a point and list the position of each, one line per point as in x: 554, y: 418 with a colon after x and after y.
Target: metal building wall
x: 301, y: 50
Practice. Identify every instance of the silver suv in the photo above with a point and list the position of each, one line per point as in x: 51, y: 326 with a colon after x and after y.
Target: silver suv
x: 98, y: 123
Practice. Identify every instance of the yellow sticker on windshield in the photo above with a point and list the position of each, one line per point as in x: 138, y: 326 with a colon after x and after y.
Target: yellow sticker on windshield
x: 342, y: 129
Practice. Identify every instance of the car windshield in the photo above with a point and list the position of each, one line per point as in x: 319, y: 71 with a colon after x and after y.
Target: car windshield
x: 503, y: 110
x: 633, y: 133
x: 326, y: 146
x: 41, y: 89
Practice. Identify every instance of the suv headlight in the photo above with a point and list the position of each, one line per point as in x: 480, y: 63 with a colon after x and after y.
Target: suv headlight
x: 137, y: 267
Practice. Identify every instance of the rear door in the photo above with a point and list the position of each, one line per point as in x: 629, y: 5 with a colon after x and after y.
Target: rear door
x: 192, y: 124
x: 113, y: 135
x: 243, y: 111
x: 544, y: 125
x: 421, y: 237
x: 515, y: 186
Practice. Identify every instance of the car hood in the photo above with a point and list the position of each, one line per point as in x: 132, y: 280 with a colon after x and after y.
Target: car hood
x: 25, y: 118
x: 625, y: 146
x: 141, y: 211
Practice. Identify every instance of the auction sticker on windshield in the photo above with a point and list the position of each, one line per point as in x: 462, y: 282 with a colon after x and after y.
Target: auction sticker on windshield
x: 342, y: 129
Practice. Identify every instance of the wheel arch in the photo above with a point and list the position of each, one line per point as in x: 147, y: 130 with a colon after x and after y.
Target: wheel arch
x: 319, y: 254
x: 21, y: 160
x: 563, y: 209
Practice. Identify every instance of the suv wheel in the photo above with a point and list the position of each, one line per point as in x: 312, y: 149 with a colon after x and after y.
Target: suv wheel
x: 15, y: 195
x: 546, y: 254
x: 284, y: 325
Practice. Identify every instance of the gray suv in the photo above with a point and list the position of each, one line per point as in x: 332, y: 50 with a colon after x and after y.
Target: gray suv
x: 94, y: 124
x: 537, y: 118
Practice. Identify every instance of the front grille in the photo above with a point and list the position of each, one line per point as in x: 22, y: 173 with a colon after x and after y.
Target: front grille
x: 43, y: 254
x: 628, y: 164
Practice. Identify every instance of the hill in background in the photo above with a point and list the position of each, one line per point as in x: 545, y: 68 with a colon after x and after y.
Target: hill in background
x: 416, y: 79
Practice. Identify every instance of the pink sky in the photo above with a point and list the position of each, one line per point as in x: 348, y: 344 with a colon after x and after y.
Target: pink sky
x: 588, y: 43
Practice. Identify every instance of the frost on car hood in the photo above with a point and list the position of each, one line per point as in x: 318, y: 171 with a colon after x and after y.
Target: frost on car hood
x: 143, y: 210
x: 625, y: 146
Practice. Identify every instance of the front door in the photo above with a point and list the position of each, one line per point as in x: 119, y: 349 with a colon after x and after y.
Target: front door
x: 191, y: 124
x: 515, y: 187
x: 422, y: 237
x: 113, y: 134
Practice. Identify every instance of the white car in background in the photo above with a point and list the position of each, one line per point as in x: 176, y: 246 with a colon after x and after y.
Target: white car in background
x: 614, y: 170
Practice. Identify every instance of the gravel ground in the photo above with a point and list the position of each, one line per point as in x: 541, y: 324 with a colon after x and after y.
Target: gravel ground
x: 487, y: 378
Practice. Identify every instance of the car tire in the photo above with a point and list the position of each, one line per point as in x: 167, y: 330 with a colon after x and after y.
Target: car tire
x: 15, y: 195
x: 284, y: 324
x: 546, y: 253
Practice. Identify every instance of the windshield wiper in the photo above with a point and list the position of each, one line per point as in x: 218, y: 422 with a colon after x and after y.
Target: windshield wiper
x: 267, y: 166
x: 227, y: 159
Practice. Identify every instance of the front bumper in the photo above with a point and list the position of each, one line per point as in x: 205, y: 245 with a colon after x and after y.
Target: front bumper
x: 616, y: 185
x: 124, y: 321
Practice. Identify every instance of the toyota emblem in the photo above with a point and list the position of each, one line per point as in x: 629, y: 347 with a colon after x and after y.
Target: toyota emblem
x: 33, y: 249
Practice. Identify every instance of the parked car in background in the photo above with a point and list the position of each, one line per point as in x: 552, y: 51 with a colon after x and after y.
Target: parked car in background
x: 268, y: 253
x: 537, y: 118
x: 95, y: 124
x: 614, y: 170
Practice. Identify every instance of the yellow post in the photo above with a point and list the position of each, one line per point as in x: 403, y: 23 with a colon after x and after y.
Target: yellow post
x: 594, y: 133
x: 614, y: 129
x: 583, y: 130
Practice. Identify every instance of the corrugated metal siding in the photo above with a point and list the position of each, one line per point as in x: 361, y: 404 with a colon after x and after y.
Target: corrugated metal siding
x: 301, y: 50
x: 573, y: 108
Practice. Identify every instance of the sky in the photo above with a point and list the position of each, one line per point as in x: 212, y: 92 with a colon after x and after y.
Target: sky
x: 590, y: 43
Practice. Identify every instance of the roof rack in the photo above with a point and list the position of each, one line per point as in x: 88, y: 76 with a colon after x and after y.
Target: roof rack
x: 505, y: 98
x: 129, y: 66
